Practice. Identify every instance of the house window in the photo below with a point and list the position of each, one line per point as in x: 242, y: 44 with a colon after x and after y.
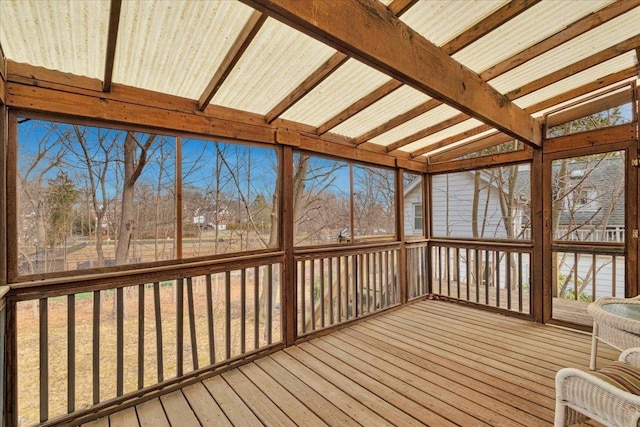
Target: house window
x: 417, y: 216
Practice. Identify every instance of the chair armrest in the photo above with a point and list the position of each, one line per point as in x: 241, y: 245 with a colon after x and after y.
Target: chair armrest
x: 631, y: 356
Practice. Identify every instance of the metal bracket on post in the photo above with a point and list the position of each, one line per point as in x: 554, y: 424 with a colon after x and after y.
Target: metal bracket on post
x: 634, y: 233
x: 635, y: 162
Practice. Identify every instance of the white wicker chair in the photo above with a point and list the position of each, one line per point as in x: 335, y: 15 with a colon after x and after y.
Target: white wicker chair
x: 619, y: 332
x: 581, y: 395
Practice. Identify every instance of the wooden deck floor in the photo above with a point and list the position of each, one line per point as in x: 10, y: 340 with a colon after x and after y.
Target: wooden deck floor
x: 430, y: 363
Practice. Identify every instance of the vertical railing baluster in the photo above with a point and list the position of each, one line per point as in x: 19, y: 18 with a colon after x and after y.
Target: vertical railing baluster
x: 387, y: 281
x: 468, y: 272
x: 269, y: 303
x: 508, y: 279
x: 119, y: 341
x: 179, y: 326
x: 476, y: 265
x: 593, y: 275
x: 312, y: 289
x: 355, y: 279
x: 303, y: 296
x: 141, y: 336
x: 394, y: 275
x: 158, y: 319
x: 210, y: 319
x: 331, y: 318
x: 520, y: 280
x: 382, y: 281
x: 322, y: 290
x: 457, y: 262
x: 96, y: 347
x: 496, y: 260
x: 192, y: 323
x: 614, y: 273
x: 71, y: 353
x: 360, y: 289
x: 243, y: 310
x: 44, y: 359
x: 375, y: 279
x: 448, y: 270
x: 340, y: 288
x: 575, y: 276
x: 440, y: 267
x: 486, y: 276
x: 256, y: 307
x: 367, y: 267
x: 227, y: 314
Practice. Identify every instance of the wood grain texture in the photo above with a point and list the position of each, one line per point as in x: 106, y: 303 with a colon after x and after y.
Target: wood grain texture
x: 367, y: 31
x: 428, y: 363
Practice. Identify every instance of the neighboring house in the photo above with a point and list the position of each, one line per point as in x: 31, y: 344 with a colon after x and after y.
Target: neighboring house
x: 452, y: 206
x: 206, y: 218
x: 592, y: 211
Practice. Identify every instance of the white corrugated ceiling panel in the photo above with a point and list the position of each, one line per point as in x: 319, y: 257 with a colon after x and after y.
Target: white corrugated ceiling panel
x: 64, y: 35
x: 443, y: 134
x: 277, y: 61
x: 579, y: 98
x: 441, y: 20
x: 430, y: 118
x: 459, y: 143
x: 392, y: 105
x: 348, y: 84
x: 594, y: 41
x: 525, y: 30
x: 577, y: 80
x: 175, y: 46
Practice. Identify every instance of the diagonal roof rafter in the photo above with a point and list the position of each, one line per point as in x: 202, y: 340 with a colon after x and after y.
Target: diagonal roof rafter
x: 112, y: 38
x: 397, y: 7
x: 246, y: 36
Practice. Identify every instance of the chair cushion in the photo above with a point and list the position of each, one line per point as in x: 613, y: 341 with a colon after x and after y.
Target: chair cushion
x: 621, y: 375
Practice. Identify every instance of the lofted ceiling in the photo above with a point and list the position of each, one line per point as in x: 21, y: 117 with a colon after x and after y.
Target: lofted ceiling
x: 404, y: 77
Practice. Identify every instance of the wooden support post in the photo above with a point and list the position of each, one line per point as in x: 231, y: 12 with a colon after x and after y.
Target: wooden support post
x: 289, y: 296
x: 540, y: 280
x: 403, y: 267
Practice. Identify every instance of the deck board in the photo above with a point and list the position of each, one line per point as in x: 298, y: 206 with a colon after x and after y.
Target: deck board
x: 430, y: 363
x: 151, y: 414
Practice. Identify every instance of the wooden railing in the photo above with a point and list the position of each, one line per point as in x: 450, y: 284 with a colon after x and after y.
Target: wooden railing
x: 101, y: 340
x: 338, y: 285
x: 417, y: 269
x: 491, y: 273
x: 584, y: 272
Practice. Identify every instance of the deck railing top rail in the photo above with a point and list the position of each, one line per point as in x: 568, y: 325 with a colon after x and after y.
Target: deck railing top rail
x: 118, y: 279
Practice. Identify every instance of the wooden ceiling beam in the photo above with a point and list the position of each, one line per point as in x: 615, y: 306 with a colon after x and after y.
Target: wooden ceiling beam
x: 384, y: 90
x: 368, y: 32
x: 581, y: 26
x: 485, y: 26
x: 316, y: 77
x: 112, y: 41
x: 584, y: 64
x: 246, y: 36
x: 577, y: 28
x: 488, y: 24
x: 428, y: 131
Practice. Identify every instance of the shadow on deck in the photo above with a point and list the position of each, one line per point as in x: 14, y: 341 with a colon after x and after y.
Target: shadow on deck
x: 429, y: 363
